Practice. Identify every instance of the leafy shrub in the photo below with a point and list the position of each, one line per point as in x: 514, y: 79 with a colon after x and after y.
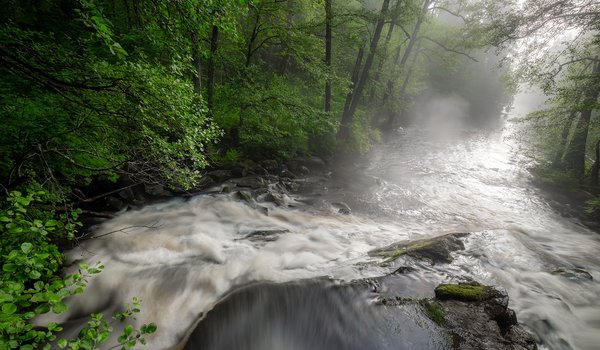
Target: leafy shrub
x: 30, y: 281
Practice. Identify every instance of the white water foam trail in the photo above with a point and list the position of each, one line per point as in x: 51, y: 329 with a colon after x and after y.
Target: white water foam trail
x: 180, y: 257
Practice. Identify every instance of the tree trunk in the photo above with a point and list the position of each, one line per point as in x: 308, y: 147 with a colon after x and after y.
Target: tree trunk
x: 210, y: 74
x: 347, y: 117
x: 388, y: 37
x: 197, y: 73
x: 353, y: 79
x: 126, y: 5
x: 596, y: 166
x: 253, y: 36
x: 564, y: 135
x: 389, y: 126
x: 411, y: 43
x: 328, y: 20
x: 575, y: 156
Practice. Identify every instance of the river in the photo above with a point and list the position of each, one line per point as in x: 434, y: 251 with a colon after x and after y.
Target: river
x: 182, y: 256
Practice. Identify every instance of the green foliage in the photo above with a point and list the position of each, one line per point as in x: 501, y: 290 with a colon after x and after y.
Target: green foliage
x: 98, y: 331
x: 592, y: 208
x: 30, y: 280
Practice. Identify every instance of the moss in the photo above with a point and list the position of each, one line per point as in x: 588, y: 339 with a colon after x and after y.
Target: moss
x: 465, y: 292
x: 433, y: 310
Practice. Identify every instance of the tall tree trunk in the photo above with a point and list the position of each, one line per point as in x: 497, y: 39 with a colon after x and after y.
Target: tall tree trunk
x: 347, y: 117
x: 328, y: 20
x: 253, y: 36
x: 564, y: 135
x: 411, y: 43
x: 136, y: 13
x: 388, y: 37
x: 126, y: 5
x: 210, y: 73
x: 197, y: 62
x: 596, y: 166
x: 390, y: 124
x: 575, y: 156
x: 353, y: 79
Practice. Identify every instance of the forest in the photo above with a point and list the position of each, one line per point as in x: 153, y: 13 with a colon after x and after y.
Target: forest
x: 98, y: 97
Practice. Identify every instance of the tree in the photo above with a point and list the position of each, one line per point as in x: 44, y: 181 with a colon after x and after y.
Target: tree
x: 364, y: 76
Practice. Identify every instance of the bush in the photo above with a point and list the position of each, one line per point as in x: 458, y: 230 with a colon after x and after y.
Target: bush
x: 30, y: 280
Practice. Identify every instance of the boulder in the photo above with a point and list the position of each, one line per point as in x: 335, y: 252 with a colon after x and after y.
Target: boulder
x: 436, y: 250
x: 220, y: 175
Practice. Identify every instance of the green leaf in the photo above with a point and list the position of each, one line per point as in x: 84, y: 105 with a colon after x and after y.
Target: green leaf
x: 9, y: 309
x: 26, y: 247
x: 42, y: 309
x: 34, y: 275
x: 9, y: 267
x: 62, y: 343
x: 128, y: 330
x: 59, y: 307
x: 151, y: 328
x: 26, y: 347
x: 51, y: 223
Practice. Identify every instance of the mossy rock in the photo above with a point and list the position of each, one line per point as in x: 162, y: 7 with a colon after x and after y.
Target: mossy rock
x: 433, y: 310
x: 466, y: 292
x: 436, y: 250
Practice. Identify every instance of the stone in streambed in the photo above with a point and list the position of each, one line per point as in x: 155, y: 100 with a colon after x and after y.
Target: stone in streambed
x: 436, y: 250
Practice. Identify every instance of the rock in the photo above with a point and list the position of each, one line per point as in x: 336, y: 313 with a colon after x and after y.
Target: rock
x: 276, y: 198
x: 287, y: 174
x: 157, y: 190
x: 253, y: 182
x: 114, y: 203
x: 272, y: 166
x: 220, y: 175
x: 244, y: 196
x: 265, y: 235
x: 350, y: 315
x: 477, y: 317
x: 575, y: 274
x: 128, y: 195
x: 262, y: 209
x: 436, y: 250
x: 205, y: 181
x: 342, y: 207
x: 314, y: 163
x: 468, y: 292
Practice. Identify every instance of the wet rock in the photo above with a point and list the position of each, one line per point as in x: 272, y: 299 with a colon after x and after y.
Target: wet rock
x: 330, y: 314
x: 477, y: 317
x: 275, y: 198
x: 436, y: 250
x: 272, y: 166
x: 343, y: 208
x: 220, y: 175
x: 244, y: 196
x: 403, y: 270
x: 157, y: 190
x: 576, y: 274
x: 287, y: 174
x: 265, y: 235
x: 114, y: 203
x: 262, y: 209
x: 253, y: 182
x: 205, y: 181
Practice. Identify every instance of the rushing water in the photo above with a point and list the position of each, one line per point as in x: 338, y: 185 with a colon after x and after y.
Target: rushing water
x: 181, y: 257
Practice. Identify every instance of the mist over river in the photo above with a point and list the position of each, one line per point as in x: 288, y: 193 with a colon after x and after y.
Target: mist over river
x: 182, y: 256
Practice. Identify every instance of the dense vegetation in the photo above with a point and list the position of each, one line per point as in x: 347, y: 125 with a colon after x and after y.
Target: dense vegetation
x: 154, y: 92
